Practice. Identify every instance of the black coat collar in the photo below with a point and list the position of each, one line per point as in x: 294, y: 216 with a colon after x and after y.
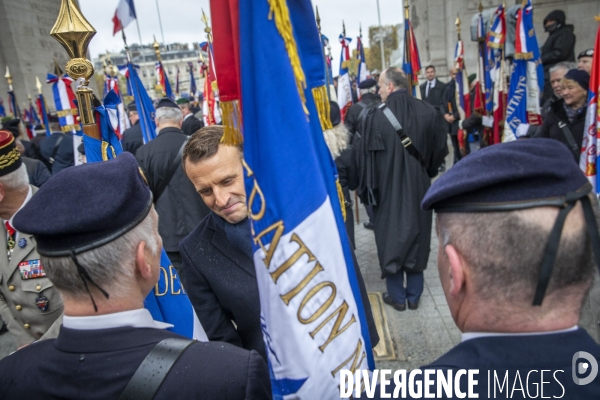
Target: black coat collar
x: 170, y: 130
x: 218, y: 239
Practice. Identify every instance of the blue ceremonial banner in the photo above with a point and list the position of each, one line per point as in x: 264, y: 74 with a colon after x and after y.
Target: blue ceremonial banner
x: 2, y: 112
x: 168, y: 302
x: 41, y: 103
x: 312, y: 314
x: 193, y: 88
x: 143, y: 103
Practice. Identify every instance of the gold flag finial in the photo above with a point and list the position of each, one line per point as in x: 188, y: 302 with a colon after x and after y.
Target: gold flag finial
x: 206, y: 26
x: 406, y: 9
x: 597, y: 18
x: 29, y: 97
x: 8, y: 77
x: 156, y: 49
x: 74, y: 33
x: 344, y: 29
x: 457, y: 23
x: 38, y: 85
x: 57, y: 70
x: 318, y: 18
x: 480, y: 7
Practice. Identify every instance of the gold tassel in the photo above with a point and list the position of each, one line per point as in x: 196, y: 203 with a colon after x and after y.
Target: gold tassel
x: 341, y: 197
x: 104, y: 148
x: 232, y: 123
x: 322, y: 104
x: 282, y: 21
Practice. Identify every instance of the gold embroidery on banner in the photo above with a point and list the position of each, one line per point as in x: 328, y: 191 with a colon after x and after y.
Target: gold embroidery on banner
x: 6, y: 160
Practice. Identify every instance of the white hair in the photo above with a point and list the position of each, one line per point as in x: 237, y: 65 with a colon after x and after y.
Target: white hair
x: 372, y: 89
x: 17, y: 179
x: 336, y: 139
x: 111, y: 266
x: 168, y: 114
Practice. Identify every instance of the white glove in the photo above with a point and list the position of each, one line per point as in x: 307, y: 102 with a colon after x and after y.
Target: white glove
x: 522, y: 130
x: 487, y: 121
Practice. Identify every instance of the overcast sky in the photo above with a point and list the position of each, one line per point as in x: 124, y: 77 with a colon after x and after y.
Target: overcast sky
x: 181, y: 21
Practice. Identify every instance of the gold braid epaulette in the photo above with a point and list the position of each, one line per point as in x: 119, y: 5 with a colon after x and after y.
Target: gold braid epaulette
x: 6, y: 160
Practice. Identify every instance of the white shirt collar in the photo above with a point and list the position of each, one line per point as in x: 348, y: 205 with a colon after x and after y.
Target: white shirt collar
x: 432, y: 83
x: 29, y: 194
x: 140, y: 318
x: 187, y: 116
x: 475, y: 335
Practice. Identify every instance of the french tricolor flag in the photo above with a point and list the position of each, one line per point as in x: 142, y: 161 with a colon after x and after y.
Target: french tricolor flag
x: 124, y: 14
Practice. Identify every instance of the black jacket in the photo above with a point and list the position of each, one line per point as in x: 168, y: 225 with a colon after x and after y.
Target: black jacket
x: 523, y: 358
x: 98, y: 364
x: 64, y: 156
x: 351, y: 121
x: 180, y: 208
x: 550, y: 128
x: 36, y: 170
x: 191, y: 125
x: 437, y: 95
x: 220, y: 281
x: 451, y: 99
x: 133, y: 138
x: 560, y: 46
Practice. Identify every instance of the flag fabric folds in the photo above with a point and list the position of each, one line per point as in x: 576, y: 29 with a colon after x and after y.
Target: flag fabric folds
x: 64, y: 100
x: 527, y: 78
x: 412, y: 62
x: 210, y: 107
x: 43, y: 112
x: 311, y: 310
x: 162, y: 80
x: 496, y: 37
x: 483, y: 92
x: 344, y: 89
x: 589, y: 148
x: 124, y: 14
x: 462, y: 94
x: 363, y: 73
x: 193, y: 88
x: 118, y: 119
x: 143, y: 102
x: 13, y: 106
x: 177, y: 81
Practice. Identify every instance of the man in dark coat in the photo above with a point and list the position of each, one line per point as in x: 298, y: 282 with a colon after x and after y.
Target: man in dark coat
x: 132, y: 137
x: 394, y: 181
x: 560, y: 45
x: 177, y: 202
x: 106, y: 332
x: 190, y: 124
x: 433, y: 91
x: 452, y: 117
x: 566, y: 120
x: 218, y: 265
x: 57, y: 151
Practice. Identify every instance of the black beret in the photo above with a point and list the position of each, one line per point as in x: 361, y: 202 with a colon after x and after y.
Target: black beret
x: 508, y: 176
x: 334, y: 113
x: 586, y: 53
x: 10, y: 158
x: 580, y: 76
x: 166, y: 102
x: 81, y: 149
x: 131, y: 107
x: 367, y: 84
x: 85, y: 207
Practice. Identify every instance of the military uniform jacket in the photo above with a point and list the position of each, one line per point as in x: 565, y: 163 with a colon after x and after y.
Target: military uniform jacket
x: 180, y: 208
x: 25, y: 320
x: 98, y: 364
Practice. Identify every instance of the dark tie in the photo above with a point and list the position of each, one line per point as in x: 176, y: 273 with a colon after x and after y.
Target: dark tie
x: 428, y: 89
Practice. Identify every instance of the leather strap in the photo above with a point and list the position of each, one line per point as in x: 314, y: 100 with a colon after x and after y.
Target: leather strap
x: 172, y: 169
x: 406, y: 142
x: 154, y: 369
x: 570, y: 139
x: 55, y: 149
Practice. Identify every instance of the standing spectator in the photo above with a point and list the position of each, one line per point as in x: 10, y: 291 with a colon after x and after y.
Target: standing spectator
x: 132, y: 137
x: 558, y: 47
x: 433, y: 91
x: 452, y: 117
x: 57, y: 151
x: 585, y: 59
x: 190, y: 124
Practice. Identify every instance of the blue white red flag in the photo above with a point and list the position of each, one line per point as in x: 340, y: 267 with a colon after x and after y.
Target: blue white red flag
x: 64, y: 100
x: 344, y: 89
x: 527, y: 79
x: 163, y: 80
x: 589, y: 149
x: 118, y: 119
x: 210, y: 107
x: 124, y: 14
x: 363, y: 73
x: 311, y: 310
x: 27, y: 121
x: 13, y: 107
x: 495, y: 45
x: 461, y: 93
x: 412, y: 62
x: 193, y: 88
x: 43, y: 112
x: 2, y: 111
x: 167, y: 302
x: 143, y: 102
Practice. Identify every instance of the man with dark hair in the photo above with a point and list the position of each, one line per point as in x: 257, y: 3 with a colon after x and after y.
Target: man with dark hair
x: 218, y: 264
x: 101, y: 248
x: 433, y: 91
x: 560, y: 45
x: 401, y: 148
x: 132, y: 137
x: 190, y: 123
x: 176, y: 200
x: 368, y: 97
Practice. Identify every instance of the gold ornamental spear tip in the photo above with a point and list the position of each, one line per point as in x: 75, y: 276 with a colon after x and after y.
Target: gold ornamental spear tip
x: 481, y: 6
x: 38, y: 85
x: 29, y: 97
x: 457, y: 23
x: 8, y: 77
x: 206, y: 26
x: 406, y: 9
x: 74, y: 33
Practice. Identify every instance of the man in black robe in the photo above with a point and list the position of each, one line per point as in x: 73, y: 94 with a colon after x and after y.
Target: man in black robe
x: 394, y: 181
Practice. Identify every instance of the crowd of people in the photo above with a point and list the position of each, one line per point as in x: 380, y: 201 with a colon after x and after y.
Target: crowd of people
x: 517, y: 239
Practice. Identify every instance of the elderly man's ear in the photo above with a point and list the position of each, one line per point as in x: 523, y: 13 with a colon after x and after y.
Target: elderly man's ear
x: 457, y: 271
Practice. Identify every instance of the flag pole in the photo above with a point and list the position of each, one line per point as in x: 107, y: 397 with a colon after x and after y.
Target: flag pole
x: 407, y: 59
x: 160, y: 23
x: 318, y: 19
x: 74, y: 33
x: 138, y: 29
x: 381, y: 38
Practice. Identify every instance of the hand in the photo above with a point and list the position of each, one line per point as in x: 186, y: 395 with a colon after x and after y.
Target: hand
x: 487, y: 121
x: 449, y: 118
x: 522, y: 130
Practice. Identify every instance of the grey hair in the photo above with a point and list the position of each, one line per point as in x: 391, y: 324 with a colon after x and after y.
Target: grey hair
x: 567, y: 65
x: 168, y: 114
x: 111, y: 266
x: 17, y: 179
x: 397, y: 77
x: 504, y: 251
x: 369, y: 90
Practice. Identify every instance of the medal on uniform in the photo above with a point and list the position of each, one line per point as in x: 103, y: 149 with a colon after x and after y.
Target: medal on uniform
x: 31, y: 269
x: 42, y: 302
x: 22, y: 243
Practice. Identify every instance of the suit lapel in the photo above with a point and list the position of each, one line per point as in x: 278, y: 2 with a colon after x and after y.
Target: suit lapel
x: 220, y: 241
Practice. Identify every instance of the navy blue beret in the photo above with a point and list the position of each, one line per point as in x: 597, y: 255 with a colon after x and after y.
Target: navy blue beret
x: 85, y: 207
x: 335, y: 114
x: 367, y: 84
x: 508, y: 176
x: 580, y: 76
x: 166, y: 102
